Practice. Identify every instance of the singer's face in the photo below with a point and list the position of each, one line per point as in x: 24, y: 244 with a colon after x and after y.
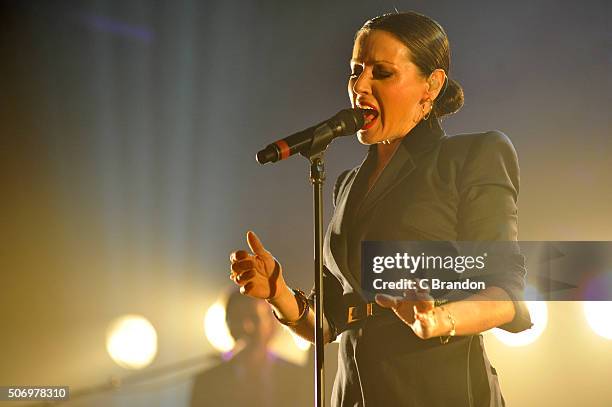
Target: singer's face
x: 384, y: 78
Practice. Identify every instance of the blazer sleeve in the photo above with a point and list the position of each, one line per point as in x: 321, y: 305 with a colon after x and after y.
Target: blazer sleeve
x: 333, y: 304
x: 488, y: 189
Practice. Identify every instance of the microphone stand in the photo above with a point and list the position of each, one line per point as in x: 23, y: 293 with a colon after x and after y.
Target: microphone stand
x: 344, y: 123
x: 317, y: 177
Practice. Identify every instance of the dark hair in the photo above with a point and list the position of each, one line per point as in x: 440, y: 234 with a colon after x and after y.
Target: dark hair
x: 428, y: 45
x: 238, y: 309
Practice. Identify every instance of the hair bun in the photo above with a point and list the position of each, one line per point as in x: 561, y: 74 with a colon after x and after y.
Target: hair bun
x: 451, y: 100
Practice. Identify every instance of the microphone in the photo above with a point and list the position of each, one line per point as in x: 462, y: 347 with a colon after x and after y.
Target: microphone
x: 318, y: 137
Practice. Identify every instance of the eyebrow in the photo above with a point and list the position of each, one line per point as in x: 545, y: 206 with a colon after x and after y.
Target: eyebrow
x: 374, y: 61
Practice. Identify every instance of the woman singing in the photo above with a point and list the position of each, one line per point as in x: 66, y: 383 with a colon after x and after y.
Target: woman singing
x: 415, y: 184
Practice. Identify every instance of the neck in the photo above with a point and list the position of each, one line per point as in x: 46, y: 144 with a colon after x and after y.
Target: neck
x: 252, y: 353
x: 385, y: 152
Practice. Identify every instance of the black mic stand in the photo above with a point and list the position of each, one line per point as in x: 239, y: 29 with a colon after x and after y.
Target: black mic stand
x: 344, y: 123
x: 317, y: 177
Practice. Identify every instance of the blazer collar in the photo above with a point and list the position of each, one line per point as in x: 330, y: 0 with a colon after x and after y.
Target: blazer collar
x: 423, y: 137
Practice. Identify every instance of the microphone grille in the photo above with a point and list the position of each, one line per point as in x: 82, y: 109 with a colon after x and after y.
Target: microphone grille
x: 352, y: 120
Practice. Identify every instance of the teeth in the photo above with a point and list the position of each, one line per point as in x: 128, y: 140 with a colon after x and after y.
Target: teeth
x: 370, y: 109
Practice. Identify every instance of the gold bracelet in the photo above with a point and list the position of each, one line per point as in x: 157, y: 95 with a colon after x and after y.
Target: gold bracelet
x: 440, y: 301
x: 304, y: 308
x: 452, y: 332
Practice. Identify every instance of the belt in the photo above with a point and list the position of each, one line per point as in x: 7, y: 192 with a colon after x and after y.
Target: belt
x: 362, y: 311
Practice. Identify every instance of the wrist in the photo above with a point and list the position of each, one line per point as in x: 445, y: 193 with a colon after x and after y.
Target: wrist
x: 443, y: 323
x: 282, y: 294
x: 447, y: 324
x: 299, y: 299
x: 280, y: 290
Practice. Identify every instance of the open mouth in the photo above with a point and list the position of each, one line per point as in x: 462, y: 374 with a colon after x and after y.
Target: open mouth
x: 370, y: 115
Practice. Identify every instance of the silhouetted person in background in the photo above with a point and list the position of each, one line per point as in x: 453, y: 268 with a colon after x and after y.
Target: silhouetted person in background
x: 265, y: 379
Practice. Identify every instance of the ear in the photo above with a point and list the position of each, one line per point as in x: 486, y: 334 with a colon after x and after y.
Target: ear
x: 435, y: 82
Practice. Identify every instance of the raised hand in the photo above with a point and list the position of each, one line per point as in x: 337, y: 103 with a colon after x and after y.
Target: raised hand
x: 259, y: 275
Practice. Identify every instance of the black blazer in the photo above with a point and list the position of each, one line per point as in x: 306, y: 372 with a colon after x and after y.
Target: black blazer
x: 436, y: 187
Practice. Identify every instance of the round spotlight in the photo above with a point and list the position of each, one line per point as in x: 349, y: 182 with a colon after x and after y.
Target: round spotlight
x: 301, y: 343
x: 131, y: 341
x: 290, y: 347
x: 539, y: 316
x: 216, y: 329
x: 597, y: 314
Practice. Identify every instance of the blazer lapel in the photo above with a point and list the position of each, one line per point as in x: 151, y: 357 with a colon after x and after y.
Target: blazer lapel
x: 336, y: 236
x: 400, y: 166
x: 351, y: 207
x: 422, y: 138
x: 338, y: 257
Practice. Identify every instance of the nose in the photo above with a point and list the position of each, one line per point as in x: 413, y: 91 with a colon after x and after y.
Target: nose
x: 361, y: 85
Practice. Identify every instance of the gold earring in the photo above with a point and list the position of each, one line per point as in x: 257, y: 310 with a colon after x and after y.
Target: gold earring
x: 426, y: 116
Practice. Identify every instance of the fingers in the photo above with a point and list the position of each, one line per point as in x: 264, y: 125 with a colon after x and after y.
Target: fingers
x: 243, y: 265
x: 246, y: 288
x: 241, y: 262
x: 244, y: 278
x: 424, y: 301
x: 401, y: 306
x: 387, y: 301
x: 422, y: 293
x: 255, y: 244
x: 242, y: 271
x: 420, y: 297
x: 238, y: 255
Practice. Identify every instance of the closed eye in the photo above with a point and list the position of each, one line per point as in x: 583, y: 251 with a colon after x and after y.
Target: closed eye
x: 378, y: 72
x: 382, y: 73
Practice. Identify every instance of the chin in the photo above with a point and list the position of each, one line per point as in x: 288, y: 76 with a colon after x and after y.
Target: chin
x: 365, y: 138
x: 362, y: 139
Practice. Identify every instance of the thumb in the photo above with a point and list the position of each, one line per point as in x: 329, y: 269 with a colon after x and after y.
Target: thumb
x: 386, y: 301
x: 255, y: 244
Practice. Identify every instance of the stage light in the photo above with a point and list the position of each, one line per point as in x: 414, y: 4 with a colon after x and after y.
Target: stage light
x: 539, y: 316
x: 301, y: 343
x: 216, y: 329
x: 131, y: 341
x: 287, y: 345
x: 599, y: 317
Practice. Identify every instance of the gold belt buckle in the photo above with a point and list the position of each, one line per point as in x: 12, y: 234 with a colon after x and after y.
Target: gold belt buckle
x: 369, y: 309
x: 351, y: 314
x: 352, y: 311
